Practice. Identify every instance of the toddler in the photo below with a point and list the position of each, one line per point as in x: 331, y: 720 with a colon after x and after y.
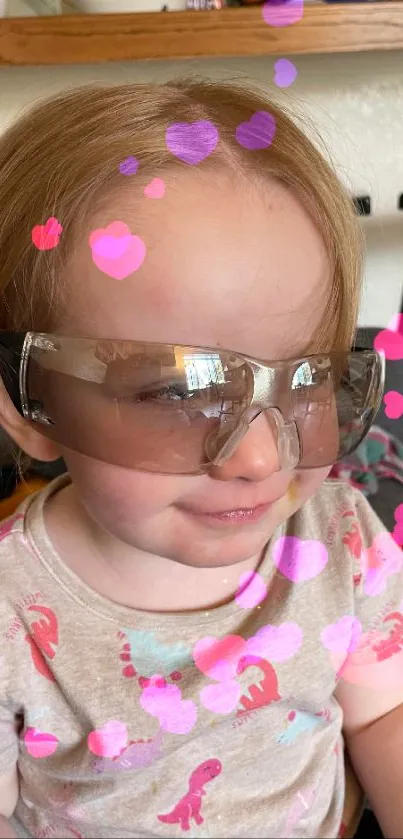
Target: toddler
x: 196, y: 626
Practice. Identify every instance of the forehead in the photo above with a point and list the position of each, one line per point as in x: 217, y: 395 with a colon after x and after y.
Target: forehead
x: 227, y: 264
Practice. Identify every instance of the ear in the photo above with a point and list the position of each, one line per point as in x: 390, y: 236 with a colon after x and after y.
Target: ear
x: 25, y: 435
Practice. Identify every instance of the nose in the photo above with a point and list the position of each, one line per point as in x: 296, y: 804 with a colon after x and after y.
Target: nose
x: 255, y: 457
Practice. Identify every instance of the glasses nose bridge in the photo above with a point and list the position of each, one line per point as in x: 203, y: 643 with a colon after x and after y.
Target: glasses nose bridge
x: 263, y: 385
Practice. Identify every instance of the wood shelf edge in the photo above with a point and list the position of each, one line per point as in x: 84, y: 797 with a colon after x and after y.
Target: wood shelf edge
x: 90, y: 39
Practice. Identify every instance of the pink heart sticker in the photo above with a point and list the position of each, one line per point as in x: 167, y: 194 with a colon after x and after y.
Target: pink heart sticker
x: 107, y: 247
x: 108, y: 740
x: 115, y: 251
x: 396, y: 323
x: 221, y: 698
x: 180, y: 718
x: 398, y: 533
x: 393, y: 404
x: 39, y: 744
x: 155, y: 189
x: 276, y: 643
x: 165, y: 702
x: 380, y: 561
x: 252, y: 590
x: 342, y: 636
x: 47, y: 236
x: 390, y: 343
x: 299, y: 560
x: 218, y: 658
x: 398, y: 514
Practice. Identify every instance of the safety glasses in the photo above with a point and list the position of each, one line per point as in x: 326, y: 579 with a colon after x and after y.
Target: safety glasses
x: 176, y: 409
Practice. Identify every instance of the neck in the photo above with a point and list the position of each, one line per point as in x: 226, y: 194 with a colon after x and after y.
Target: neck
x: 131, y: 577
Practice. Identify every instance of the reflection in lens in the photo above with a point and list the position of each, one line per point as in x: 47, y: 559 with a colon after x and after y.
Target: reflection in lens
x: 173, y: 409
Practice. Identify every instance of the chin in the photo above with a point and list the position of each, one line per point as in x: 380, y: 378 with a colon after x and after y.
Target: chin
x: 229, y: 549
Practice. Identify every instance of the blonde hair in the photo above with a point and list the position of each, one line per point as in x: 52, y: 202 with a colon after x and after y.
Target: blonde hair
x: 62, y: 159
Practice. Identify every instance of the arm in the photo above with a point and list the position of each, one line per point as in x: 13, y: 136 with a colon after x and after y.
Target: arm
x: 373, y: 730
x: 8, y: 802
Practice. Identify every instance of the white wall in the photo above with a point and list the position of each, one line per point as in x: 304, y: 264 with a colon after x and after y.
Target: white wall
x: 355, y: 99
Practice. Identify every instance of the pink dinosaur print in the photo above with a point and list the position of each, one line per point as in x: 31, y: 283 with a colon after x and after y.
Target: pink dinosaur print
x: 7, y: 526
x: 189, y: 806
x: 265, y: 692
x: 352, y: 538
x: 44, y: 636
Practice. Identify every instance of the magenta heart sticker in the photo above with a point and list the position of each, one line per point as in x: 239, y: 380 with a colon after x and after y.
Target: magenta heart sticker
x: 398, y: 533
x: 40, y: 744
x: 299, y: 560
x: 398, y: 514
x: 109, y: 247
x: 115, y: 251
x: 251, y: 591
x: 165, y: 702
x: 276, y: 643
x: 221, y: 698
x: 393, y: 404
x: 282, y: 12
x: 192, y: 142
x: 218, y: 657
x: 109, y: 739
x: 390, y: 343
x: 258, y: 132
x: 396, y: 323
x: 285, y: 72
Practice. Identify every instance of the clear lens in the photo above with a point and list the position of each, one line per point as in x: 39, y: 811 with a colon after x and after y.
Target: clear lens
x: 335, y: 403
x: 175, y: 410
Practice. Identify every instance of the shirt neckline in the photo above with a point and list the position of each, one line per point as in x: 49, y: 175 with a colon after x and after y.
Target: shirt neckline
x: 97, y: 604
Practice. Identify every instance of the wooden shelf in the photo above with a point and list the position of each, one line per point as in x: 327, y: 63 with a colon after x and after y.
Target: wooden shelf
x: 90, y: 39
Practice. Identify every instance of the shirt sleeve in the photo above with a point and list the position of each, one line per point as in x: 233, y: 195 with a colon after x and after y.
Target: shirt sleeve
x: 372, y: 664
x: 378, y: 569
x: 9, y: 713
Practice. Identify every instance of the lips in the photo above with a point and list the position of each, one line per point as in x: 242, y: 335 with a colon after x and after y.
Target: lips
x: 247, y: 508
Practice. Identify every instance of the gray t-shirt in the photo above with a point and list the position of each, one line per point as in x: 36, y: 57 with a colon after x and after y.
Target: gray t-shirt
x: 209, y: 724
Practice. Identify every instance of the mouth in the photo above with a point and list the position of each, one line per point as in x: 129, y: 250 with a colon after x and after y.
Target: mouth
x: 242, y: 515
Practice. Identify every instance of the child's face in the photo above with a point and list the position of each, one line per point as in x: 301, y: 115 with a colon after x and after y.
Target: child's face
x: 227, y: 265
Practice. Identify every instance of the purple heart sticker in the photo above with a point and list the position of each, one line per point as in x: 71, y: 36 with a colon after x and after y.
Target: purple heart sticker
x: 129, y: 166
x: 285, y: 72
x: 282, y: 12
x: 258, y: 132
x: 192, y: 142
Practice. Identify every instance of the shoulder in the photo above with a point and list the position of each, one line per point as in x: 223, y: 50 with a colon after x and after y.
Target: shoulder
x: 339, y: 519
x: 18, y: 555
x: 336, y: 506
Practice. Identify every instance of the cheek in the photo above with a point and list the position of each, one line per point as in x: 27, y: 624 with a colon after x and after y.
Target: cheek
x: 117, y: 495
x: 304, y: 484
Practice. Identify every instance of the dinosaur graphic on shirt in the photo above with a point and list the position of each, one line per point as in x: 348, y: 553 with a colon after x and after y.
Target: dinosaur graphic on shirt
x: 302, y: 803
x: 42, y: 639
x: 265, y: 692
x: 298, y: 722
x: 189, y: 807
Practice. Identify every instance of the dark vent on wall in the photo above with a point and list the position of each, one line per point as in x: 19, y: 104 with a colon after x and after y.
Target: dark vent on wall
x: 362, y: 204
